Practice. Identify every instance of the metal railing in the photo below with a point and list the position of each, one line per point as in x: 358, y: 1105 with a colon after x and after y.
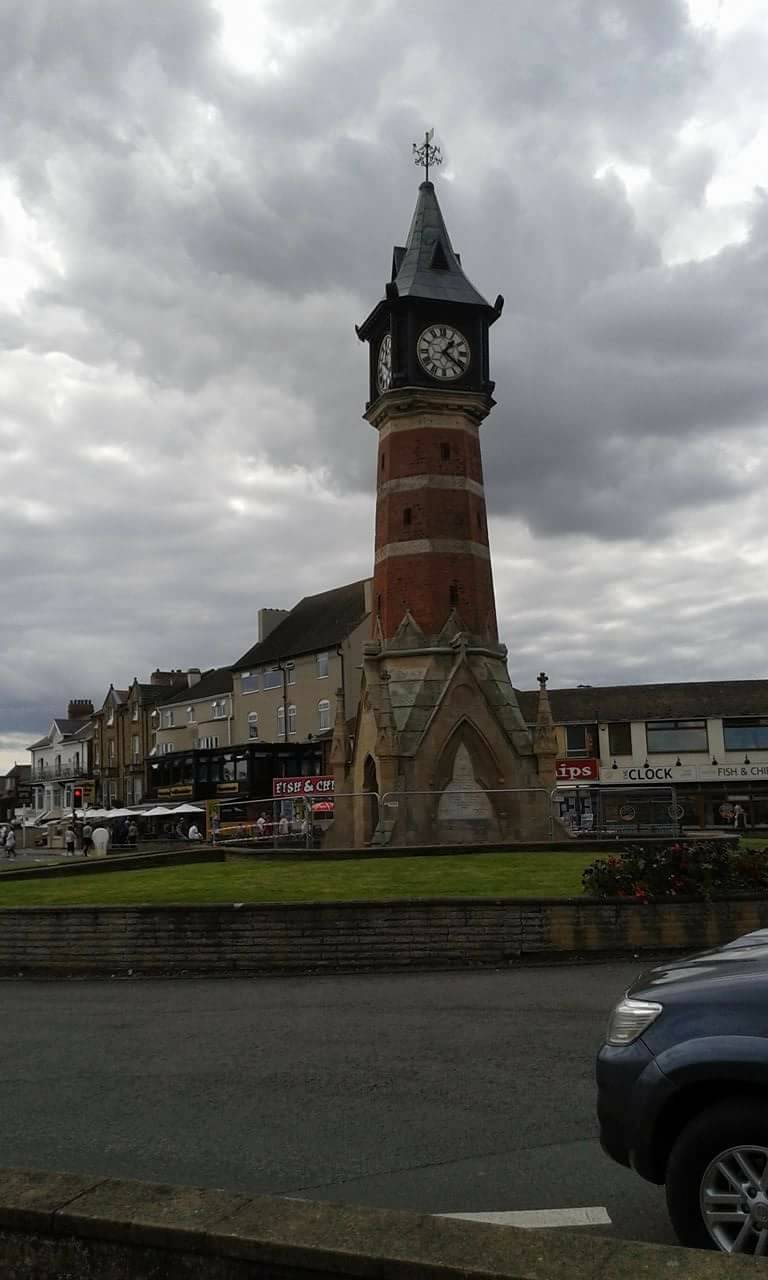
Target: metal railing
x: 63, y: 771
x: 476, y: 814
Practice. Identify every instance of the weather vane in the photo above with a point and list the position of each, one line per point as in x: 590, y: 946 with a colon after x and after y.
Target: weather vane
x: 426, y: 154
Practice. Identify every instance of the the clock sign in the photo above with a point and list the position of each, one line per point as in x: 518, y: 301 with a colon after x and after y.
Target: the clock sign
x: 443, y: 352
x: 384, y: 364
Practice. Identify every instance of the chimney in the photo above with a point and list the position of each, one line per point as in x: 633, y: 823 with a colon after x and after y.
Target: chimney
x: 268, y: 619
x: 193, y: 675
x: 79, y: 709
x: 160, y: 677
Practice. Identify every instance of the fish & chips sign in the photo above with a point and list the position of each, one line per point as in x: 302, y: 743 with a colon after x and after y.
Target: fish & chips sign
x: 319, y: 785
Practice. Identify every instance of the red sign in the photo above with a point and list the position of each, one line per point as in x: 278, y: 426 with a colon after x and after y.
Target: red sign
x: 577, y: 770
x: 319, y: 785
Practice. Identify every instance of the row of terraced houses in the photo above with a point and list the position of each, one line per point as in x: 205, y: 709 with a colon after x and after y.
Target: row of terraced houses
x: 226, y: 733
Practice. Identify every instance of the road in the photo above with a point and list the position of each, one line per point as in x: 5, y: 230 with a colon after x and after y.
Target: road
x: 447, y: 1093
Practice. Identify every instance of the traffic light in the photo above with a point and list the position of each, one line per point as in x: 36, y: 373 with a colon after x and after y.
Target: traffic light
x: 77, y: 797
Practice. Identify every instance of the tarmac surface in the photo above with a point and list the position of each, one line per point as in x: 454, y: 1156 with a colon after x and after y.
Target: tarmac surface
x: 446, y: 1093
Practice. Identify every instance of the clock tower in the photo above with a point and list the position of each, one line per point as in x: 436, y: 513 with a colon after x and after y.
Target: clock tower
x: 439, y: 728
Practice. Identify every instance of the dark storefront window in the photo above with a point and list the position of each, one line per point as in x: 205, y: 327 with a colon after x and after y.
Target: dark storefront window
x: 241, y: 768
x: 620, y: 739
x: 227, y: 768
x: 676, y: 735
x: 749, y: 733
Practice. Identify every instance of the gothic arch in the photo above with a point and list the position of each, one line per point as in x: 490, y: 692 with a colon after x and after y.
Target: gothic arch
x: 371, y: 809
x: 485, y: 766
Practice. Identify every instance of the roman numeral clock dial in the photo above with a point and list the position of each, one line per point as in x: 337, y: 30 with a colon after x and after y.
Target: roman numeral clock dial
x: 443, y: 352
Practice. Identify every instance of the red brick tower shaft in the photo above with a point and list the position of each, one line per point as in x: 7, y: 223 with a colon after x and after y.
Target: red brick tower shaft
x: 431, y: 549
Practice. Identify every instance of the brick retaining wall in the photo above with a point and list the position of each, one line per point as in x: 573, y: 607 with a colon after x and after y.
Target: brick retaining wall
x: 349, y: 936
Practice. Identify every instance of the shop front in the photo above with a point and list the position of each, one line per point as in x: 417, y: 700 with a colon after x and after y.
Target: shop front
x: 711, y: 797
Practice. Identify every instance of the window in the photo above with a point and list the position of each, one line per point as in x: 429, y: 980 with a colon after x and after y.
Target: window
x: 747, y: 733
x: 453, y: 596
x: 253, y: 724
x: 77, y: 762
x: 227, y: 769
x: 322, y: 666
x: 383, y: 459
x: 209, y: 742
x: 168, y: 719
x: 136, y: 748
x: 57, y: 764
x: 291, y: 720
x: 111, y: 716
x: 111, y: 751
x: 676, y: 735
x: 378, y: 604
x: 219, y: 708
x: 324, y: 714
x: 273, y: 678
x: 241, y: 768
x: 281, y: 722
x: 445, y: 451
x: 620, y: 739
x: 291, y: 670
x: 96, y: 754
x: 580, y: 739
x: 407, y: 515
x: 250, y: 682
x: 135, y: 711
x: 138, y: 790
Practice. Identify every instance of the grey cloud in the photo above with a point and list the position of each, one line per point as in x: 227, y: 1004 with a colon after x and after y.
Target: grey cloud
x: 182, y: 386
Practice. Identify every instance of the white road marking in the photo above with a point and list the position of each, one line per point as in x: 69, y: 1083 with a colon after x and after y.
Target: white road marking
x: 531, y: 1219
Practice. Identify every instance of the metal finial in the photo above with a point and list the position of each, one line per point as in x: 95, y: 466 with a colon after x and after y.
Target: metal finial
x: 426, y: 154
x: 542, y: 678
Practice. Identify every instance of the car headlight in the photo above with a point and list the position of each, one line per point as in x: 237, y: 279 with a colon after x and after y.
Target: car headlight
x: 630, y: 1019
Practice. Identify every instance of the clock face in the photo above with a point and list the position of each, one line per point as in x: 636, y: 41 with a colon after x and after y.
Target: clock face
x: 443, y: 352
x: 384, y: 364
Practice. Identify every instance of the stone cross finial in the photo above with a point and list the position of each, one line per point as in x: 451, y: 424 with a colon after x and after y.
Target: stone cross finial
x: 542, y: 678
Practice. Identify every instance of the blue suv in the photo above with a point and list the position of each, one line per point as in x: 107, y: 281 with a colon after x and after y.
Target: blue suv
x: 683, y: 1092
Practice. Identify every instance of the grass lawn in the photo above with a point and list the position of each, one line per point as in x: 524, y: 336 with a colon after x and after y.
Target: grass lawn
x: 518, y: 875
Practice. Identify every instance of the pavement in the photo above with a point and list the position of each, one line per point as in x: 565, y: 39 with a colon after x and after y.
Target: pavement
x: 456, y: 1093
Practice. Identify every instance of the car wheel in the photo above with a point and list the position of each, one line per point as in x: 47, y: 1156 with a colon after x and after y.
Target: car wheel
x: 717, y: 1180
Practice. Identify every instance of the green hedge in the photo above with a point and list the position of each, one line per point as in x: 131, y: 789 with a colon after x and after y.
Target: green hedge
x: 680, y: 869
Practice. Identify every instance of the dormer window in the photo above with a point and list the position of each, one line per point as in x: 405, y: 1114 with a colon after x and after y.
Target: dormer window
x: 135, y: 711
x: 111, y: 716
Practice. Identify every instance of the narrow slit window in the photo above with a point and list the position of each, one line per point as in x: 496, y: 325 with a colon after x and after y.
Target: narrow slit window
x: 407, y: 515
x: 445, y: 451
x: 453, y: 595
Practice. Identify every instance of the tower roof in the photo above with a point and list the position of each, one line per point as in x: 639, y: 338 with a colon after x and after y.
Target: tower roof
x: 428, y: 267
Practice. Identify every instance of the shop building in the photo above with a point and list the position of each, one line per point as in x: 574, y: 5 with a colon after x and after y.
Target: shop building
x: 707, y: 740
x: 285, y: 686
x: 15, y: 792
x: 62, y: 760
x: 124, y: 734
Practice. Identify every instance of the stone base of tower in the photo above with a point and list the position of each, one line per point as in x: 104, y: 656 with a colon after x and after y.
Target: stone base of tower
x: 440, y: 737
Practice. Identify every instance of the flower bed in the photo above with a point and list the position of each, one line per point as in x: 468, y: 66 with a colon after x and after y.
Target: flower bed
x: 681, y: 869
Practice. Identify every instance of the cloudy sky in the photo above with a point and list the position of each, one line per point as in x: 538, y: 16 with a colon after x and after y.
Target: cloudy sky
x: 198, y: 200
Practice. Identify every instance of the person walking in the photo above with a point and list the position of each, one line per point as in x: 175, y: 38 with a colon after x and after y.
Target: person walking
x: 69, y: 842
x: 10, y: 844
x: 87, y: 839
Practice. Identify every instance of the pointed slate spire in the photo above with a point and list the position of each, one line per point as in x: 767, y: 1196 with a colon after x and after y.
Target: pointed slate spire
x: 428, y: 267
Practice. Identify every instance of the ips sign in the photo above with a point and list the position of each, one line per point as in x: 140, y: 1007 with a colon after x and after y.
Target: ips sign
x: 577, y: 771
